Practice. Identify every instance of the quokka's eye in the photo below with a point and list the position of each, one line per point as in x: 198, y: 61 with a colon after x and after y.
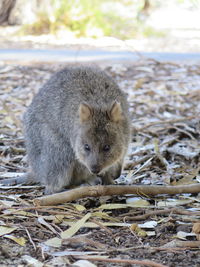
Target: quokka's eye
x: 86, y: 147
x: 106, y: 148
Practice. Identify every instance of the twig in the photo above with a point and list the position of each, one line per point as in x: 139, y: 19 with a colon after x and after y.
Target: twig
x: 135, y: 163
x: 160, y: 212
x: 167, y: 121
x: 144, y: 166
x: 143, y: 262
x: 31, y: 240
x: 83, y: 241
x: 177, y: 249
x: 102, y: 226
x: 110, y: 190
x: 183, y: 131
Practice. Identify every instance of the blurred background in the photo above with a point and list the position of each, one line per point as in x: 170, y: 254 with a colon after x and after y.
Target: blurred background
x: 145, y: 25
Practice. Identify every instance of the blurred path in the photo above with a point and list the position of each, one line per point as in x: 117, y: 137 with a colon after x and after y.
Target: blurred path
x: 37, y: 55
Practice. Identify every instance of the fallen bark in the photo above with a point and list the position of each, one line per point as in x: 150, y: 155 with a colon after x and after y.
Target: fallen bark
x: 110, y: 190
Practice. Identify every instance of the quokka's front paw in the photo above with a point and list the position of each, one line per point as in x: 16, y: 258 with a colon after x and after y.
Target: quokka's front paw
x: 96, y: 181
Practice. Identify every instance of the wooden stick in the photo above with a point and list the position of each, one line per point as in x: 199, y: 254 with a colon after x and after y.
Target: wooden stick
x: 142, y: 262
x: 110, y: 190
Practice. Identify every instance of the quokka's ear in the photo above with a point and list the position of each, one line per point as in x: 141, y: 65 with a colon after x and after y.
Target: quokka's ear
x: 116, y: 113
x: 85, y: 112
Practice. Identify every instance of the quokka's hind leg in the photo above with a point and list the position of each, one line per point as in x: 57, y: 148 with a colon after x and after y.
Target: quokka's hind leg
x: 56, y: 167
x: 59, y: 181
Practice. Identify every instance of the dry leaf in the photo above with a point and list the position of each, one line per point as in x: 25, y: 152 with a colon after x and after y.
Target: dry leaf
x: 19, y: 240
x: 42, y: 221
x: 54, y: 242
x: 75, y: 227
x: 183, y: 235
x: 6, y: 230
x: 149, y: 224
x: 79, y: 207
x: 32, y: 262
x: 137, y: 202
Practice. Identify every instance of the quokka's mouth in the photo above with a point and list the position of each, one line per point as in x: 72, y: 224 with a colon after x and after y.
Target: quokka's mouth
x: 96, y: 170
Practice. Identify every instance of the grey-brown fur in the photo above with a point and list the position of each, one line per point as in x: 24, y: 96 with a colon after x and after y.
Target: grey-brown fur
x: 77, y: 106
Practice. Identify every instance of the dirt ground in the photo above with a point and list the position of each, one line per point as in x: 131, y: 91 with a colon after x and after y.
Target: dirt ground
x: 164, y: 103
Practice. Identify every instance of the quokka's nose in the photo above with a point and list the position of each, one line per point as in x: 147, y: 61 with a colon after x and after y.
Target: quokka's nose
x: 95, y: 169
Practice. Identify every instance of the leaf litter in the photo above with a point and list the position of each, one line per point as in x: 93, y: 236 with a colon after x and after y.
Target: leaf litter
x: 165, y: 107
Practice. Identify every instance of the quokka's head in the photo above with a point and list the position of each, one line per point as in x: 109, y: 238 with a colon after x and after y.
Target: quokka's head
x: 101, y: 140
